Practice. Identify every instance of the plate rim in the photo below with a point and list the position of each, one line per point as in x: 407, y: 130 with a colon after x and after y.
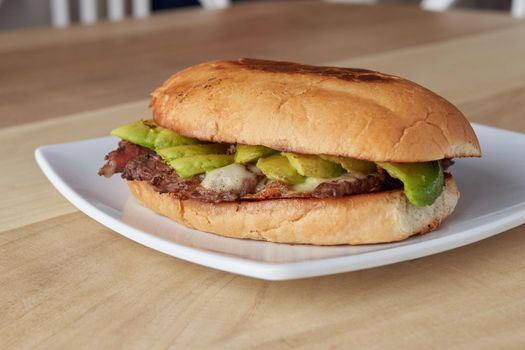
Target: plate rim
x: 287, y: 270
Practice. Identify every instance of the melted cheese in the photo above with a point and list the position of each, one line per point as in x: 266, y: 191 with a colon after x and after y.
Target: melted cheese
x: 228, y: 178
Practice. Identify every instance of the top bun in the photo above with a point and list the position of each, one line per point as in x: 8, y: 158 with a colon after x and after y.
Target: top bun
x: 314, y: 110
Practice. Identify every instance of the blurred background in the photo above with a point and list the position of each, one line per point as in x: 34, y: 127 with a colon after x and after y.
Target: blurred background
x: 16, y: 14
x: 59, y: 57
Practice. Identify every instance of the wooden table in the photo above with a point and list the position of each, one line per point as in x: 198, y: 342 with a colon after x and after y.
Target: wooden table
x: 69, y: 282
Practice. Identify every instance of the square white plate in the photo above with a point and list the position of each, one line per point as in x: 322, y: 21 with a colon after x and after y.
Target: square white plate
x: 492, y: 200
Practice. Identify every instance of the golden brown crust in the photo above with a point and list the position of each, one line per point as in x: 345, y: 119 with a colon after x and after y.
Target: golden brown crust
x: 317, y: 110
x: 359, y: 219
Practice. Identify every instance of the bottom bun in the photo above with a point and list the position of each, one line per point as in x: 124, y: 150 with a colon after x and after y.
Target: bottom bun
x: 359, y: 219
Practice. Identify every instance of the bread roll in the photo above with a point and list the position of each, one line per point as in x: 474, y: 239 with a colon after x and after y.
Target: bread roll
x: 313, y: 110
x: 359, y: 219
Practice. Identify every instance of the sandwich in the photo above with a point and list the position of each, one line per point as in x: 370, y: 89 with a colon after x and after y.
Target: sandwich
x: 293, y: 153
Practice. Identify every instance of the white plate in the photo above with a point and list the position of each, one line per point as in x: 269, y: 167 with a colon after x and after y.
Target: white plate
x: 492, y: 200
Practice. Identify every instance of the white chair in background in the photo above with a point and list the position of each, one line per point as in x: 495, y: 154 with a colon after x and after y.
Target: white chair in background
x: 88, y: 10
x: 517, y: 8
x: 214, y: 4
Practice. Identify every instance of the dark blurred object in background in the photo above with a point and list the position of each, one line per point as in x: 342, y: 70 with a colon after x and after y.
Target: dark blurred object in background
x: 171, y: 4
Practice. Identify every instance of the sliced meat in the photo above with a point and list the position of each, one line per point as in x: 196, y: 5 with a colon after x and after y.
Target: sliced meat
x: 350, y: 185
x: 275, y: 190
x: 446, y: 163
x: 145, y: 167
x: 341, y: 187
x: 210, y: 196
x: 151, y: 168
x: 116, y: 160
x: 139, y: 163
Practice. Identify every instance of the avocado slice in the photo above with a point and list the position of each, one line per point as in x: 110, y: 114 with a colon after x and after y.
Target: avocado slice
x: 136, y: 132
x: 175, y: 152
x: 167, y: 138
x: 248, y: 153
x: 148, y: 134
x: 352, y: 165
x: 423, y: 182
x: 198, y: 164
x: 314, y: 166
x: 278, y: 167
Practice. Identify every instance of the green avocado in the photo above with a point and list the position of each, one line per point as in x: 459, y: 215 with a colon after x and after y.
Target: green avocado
x: 198, y: 164
x: 167, y: 138
x: 352, y: 165
x: 148, y: 134
x: 278, y: 167
x: 175, y: 152
x: 314, y: 166
x: 247, y: 153
x: 136, y: 132
x: 423, y: 182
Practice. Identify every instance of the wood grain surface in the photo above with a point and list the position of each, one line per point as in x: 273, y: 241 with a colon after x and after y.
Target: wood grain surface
x: 67, y: 282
